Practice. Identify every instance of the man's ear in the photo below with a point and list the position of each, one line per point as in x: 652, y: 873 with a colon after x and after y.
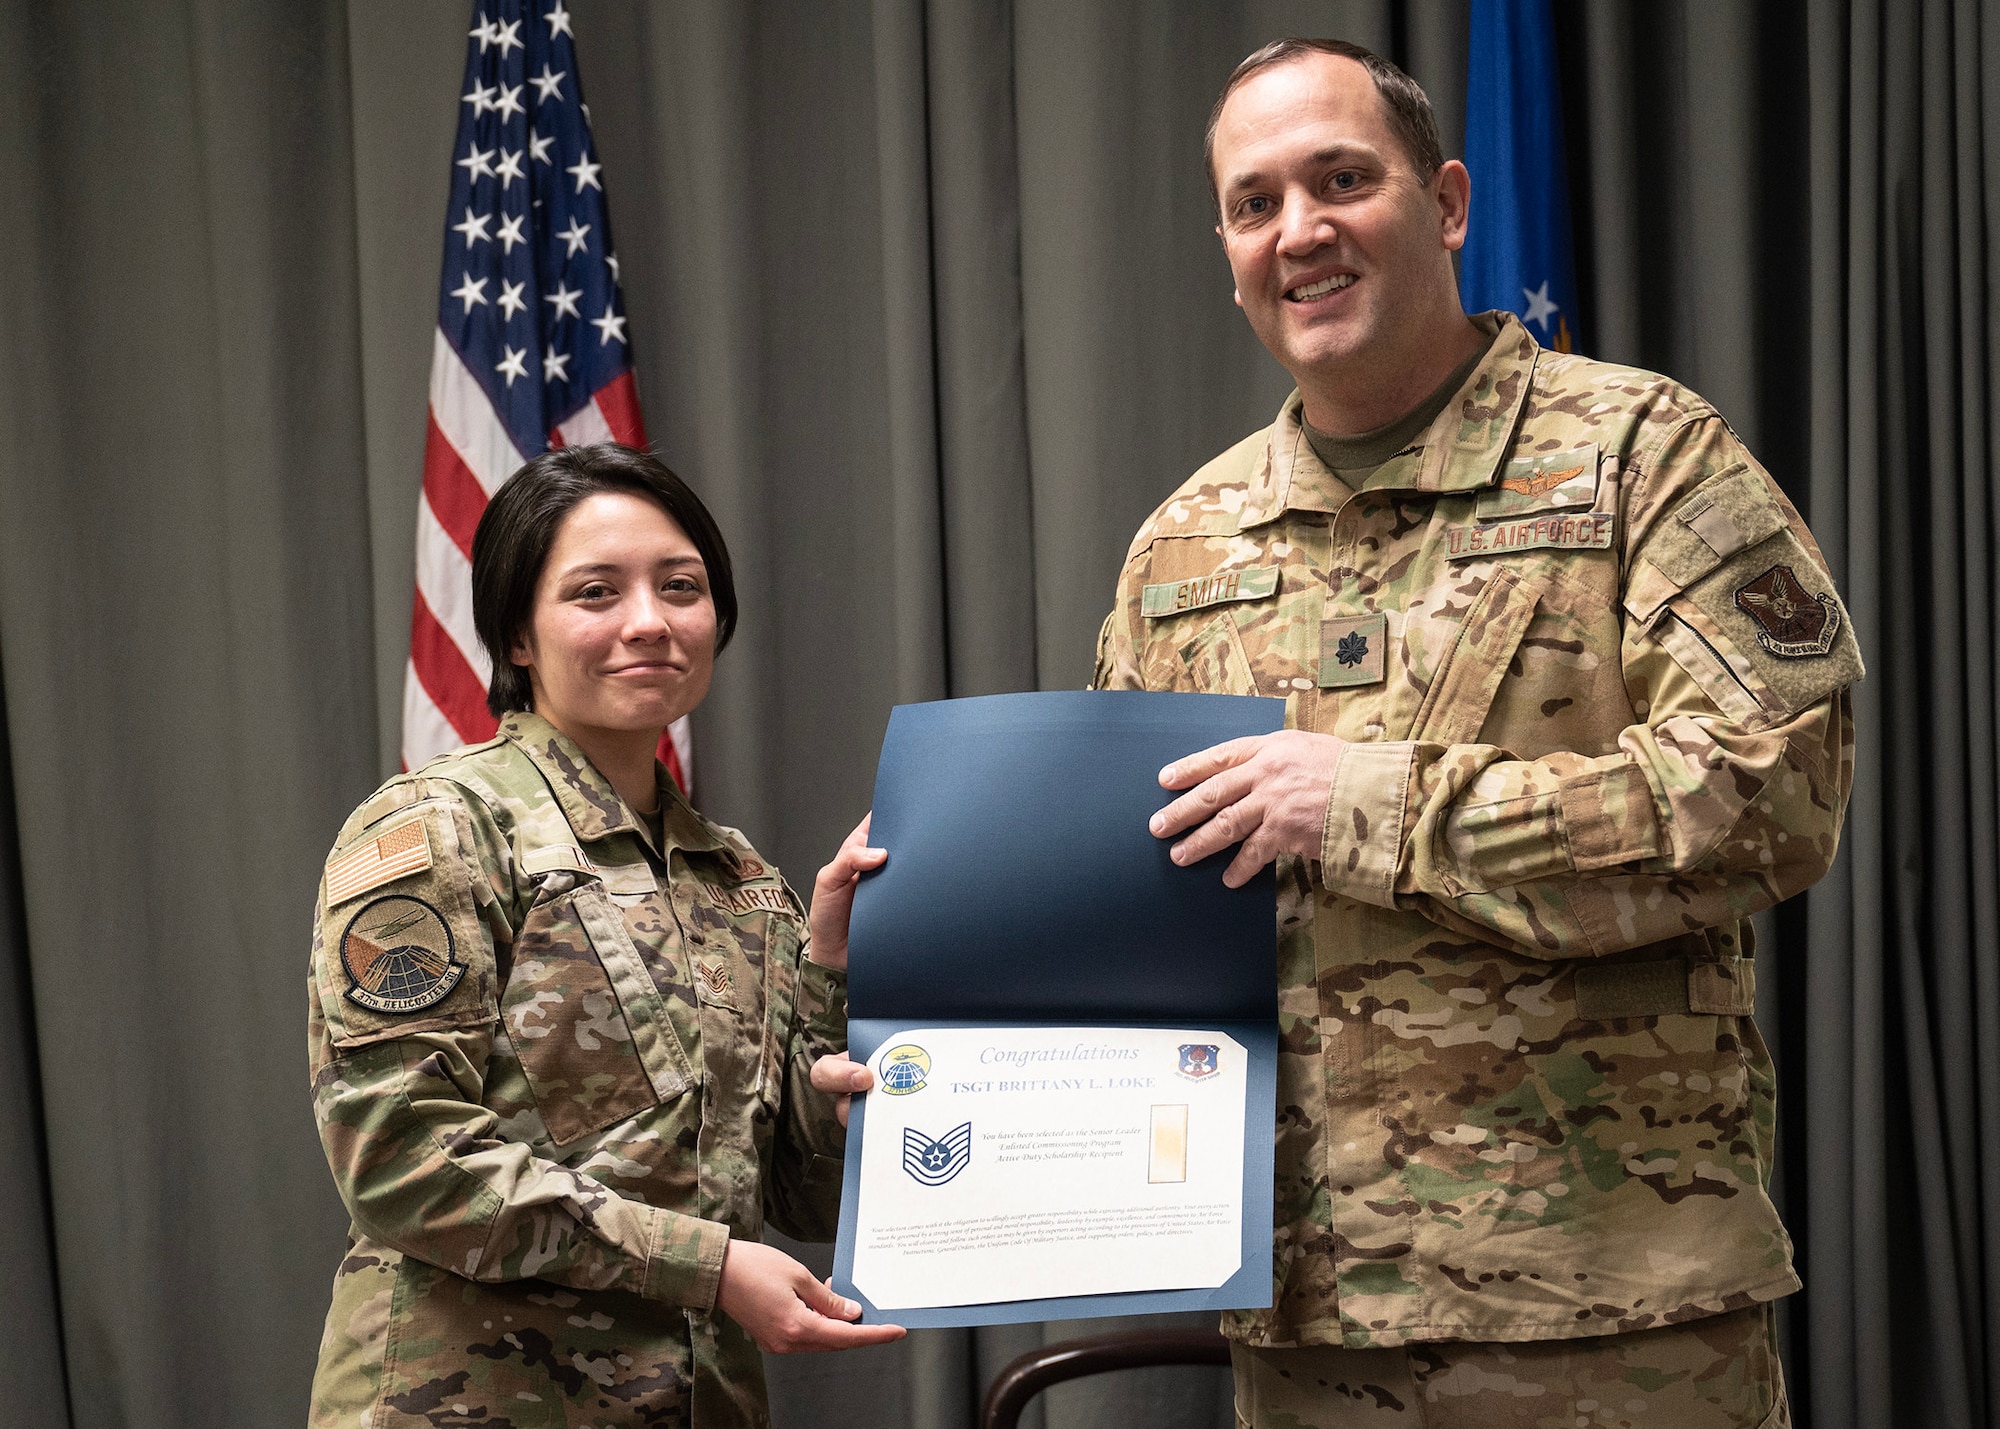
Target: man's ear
x: 1453, y: 187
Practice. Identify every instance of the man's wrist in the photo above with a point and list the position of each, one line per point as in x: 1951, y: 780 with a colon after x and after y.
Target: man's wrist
x: 1361, y: 843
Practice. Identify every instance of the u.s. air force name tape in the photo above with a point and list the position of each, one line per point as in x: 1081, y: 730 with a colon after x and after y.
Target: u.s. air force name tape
x: 1584, y: 531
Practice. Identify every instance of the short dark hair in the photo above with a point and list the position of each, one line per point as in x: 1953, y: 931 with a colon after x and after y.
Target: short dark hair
x: 1410, y: 113
x: 519, y: 526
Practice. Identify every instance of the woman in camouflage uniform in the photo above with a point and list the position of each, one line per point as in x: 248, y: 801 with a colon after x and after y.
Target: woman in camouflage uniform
x: 562, y: 1025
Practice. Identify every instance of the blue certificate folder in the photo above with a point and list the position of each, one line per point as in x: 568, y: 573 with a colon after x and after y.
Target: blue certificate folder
x: 1023, y: 887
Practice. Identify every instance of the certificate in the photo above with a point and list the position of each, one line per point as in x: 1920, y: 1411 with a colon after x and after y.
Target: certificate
x: 1023, y: 1163
x: 1074, y: 1040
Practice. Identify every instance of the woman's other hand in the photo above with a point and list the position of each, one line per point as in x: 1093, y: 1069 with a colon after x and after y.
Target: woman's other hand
x: 786, y: 1311
x: 833, y: 897
x: 841, y: 1077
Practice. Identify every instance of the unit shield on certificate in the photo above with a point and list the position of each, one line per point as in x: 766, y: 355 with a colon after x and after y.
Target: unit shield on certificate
x: 1027, y: 1163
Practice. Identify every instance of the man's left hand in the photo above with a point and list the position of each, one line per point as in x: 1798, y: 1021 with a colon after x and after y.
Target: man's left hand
x: 1268, y: 792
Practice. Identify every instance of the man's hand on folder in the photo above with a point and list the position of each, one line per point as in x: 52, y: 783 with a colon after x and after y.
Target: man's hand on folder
x: 1267, y: 792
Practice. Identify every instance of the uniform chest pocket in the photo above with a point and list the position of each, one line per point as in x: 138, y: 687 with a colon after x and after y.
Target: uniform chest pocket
x: 1213, y: 659
x: 744, y: 970
x: 585, y: 1018
x: 1454, y: 707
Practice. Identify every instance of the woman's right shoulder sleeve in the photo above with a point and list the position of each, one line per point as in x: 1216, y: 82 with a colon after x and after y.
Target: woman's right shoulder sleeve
x: 410, y: 903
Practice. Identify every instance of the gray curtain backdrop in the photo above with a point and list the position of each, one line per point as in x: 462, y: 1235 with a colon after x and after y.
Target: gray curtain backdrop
x: 927, y: 303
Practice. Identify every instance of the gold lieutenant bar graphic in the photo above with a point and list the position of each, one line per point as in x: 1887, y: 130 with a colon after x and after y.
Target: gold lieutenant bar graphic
x: 1169, y: 1159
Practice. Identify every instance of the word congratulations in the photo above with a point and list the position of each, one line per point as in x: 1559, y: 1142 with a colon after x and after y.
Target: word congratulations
x: 1081, y: 1052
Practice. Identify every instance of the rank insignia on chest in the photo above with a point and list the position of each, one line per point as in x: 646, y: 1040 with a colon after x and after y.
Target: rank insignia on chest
x: 714, y: 979
x: 1792, y: 622
x: 399, y: 956
x: 1353, y: 650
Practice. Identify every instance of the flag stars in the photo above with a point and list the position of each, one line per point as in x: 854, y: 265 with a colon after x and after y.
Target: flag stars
x: 555, y: 366
x: 575, y: 236
x: 485, y: 34
x: 611, y: 262
x: 513, y: 364
x: 472, y: 291
x: 474, y: 227
x: 586, y: 174
x: 1540, y: 309
x: 481, y: 98
x: 558, y: 19
x: 564, y: 299
x: 511, y: 301
x: 509, y: 168
x: 510, y: 232
x: 538, y: 148
x: 507, y: 36
x: 548, y: 85
x: 611, y: 325
x: 509, y: 103
x: 476, y: 161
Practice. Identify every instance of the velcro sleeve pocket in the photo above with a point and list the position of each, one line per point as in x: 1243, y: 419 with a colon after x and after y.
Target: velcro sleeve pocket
x: 1759, y: 611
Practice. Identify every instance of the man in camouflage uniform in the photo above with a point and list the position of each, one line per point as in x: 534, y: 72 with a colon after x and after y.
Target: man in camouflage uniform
x: 1566, y: 703
x: 560, y: 1058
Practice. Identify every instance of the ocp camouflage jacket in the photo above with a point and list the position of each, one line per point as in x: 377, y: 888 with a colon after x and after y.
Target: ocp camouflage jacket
x: 555, y: 1068
x: 1594, y: 673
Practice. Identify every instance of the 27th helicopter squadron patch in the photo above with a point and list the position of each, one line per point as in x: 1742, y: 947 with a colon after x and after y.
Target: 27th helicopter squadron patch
x: 399, y: 956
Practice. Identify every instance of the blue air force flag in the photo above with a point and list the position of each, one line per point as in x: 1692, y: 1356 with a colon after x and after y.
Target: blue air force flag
x: 1517, y: 252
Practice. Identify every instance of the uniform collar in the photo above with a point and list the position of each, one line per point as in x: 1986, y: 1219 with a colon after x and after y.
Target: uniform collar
x: 1463, y: 450
x: 588, y: 801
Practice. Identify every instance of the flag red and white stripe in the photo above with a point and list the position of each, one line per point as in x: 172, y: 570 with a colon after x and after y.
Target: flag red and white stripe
x: 482, y: 426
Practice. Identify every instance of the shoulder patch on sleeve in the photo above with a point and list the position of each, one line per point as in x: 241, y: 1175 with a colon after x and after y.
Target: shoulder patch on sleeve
x: 1750, y: 592
x: 400, y: 944
x: 1775, y: 612
x: 394, y: 853
x: 1794, y: 623
x: 399, y: 956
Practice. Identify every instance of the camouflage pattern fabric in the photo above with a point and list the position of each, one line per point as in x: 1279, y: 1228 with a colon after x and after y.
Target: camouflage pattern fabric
x: 1520, y: 1094
x: 555, y: 1068
x: 1718, y: 1372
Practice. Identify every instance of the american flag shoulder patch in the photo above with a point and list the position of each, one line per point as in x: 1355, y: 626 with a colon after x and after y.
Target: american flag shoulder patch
x: 394, y: 853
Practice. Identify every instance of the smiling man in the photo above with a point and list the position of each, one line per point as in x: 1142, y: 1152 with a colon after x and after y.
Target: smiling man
x: 1566, y: 686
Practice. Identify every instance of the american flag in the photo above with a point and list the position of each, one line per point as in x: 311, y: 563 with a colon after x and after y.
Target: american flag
x: 531, y: 350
